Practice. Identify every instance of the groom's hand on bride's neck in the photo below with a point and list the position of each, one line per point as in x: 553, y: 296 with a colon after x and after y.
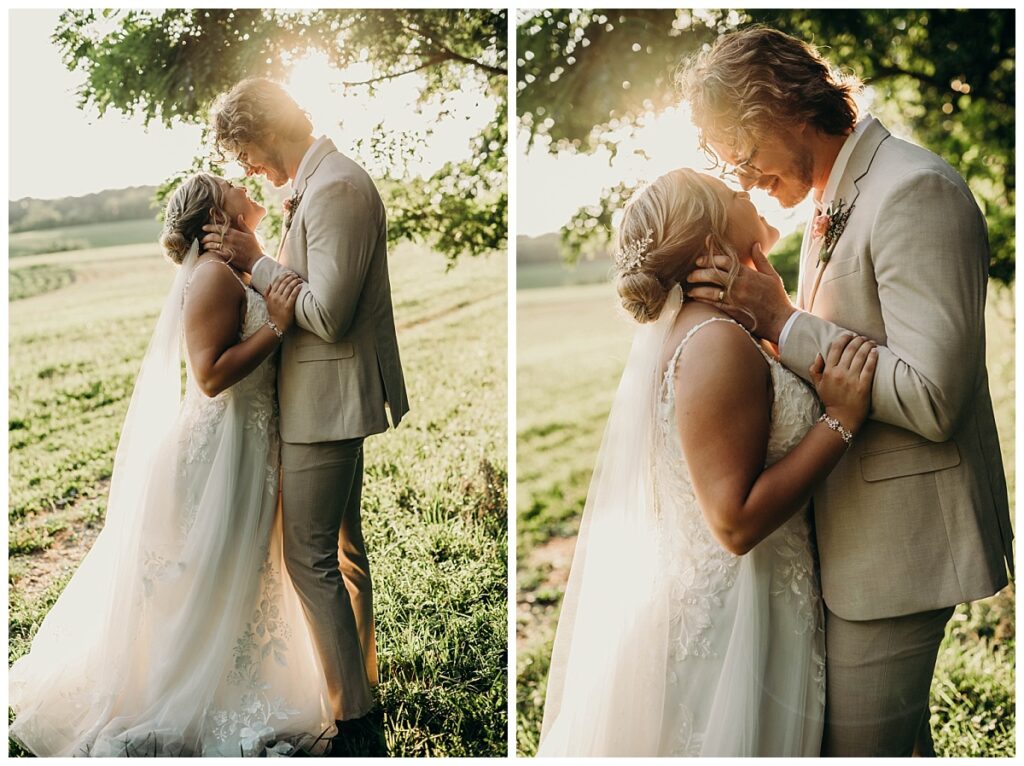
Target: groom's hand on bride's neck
x: 757, y: 298
x: 239, y: 240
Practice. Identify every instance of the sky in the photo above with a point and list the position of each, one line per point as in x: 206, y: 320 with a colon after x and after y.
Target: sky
x: 58, y: 150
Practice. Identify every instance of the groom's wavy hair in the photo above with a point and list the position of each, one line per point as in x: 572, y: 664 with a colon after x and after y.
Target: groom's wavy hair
x: 675, y: 219
x: 251, y: 111
x: 750, y: 82
x: 197, y: 201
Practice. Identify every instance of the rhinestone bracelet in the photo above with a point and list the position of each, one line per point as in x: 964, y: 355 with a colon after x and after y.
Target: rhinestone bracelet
x: 275, y: 328
x: 836, y: 426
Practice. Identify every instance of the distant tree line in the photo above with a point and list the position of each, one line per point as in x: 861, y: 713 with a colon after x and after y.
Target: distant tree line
x: 546, y: 248
x: 29, y: 214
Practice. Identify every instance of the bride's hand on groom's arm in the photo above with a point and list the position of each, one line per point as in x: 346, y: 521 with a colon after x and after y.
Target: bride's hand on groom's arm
x: 843, y: 381
x: 238, y: 244
x: 759, y: 291
x: 281, y: 297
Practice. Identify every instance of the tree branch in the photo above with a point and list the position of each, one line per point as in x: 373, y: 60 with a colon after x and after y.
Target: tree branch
x: 423, y: 32
x: 494, y: 70
x: 428, y: 63
x: 444, y: 55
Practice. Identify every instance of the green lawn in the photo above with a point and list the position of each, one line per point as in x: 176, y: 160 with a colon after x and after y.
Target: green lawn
x: 547, y: 274
x: 572, y: 344
x: 435, y: 509
x: 82, y: 236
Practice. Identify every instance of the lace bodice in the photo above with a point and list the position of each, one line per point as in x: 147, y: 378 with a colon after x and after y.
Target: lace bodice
x: 795, y: 407
x: 701, y: 570
x: 256, y: 390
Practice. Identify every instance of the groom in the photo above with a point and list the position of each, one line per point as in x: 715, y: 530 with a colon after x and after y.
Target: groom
x: 915, y: 518
x: 339, y: 367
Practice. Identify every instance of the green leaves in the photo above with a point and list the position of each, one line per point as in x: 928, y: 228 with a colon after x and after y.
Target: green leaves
x: 943, y: 77
x: 462, y: 208
x: 170, y: 65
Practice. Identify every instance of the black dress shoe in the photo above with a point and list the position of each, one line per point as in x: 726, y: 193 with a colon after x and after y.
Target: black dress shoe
x: 360, y: 737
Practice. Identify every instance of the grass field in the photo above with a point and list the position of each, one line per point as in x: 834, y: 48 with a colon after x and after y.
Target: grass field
x: 88, y: 235
x: 435, y: 507
x: 572, y: 344
x: 584, y: 272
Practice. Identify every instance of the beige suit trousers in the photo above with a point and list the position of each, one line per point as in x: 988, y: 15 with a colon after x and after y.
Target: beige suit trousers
x: 321, y: 485
x: 878, y: 677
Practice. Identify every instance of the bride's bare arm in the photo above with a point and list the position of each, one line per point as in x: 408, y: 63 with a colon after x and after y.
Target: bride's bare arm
x: 723, y: 407
x: 213, y: 317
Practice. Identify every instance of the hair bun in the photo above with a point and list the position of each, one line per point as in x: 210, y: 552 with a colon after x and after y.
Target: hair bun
x: 642, y: 294
x: 174, y: 245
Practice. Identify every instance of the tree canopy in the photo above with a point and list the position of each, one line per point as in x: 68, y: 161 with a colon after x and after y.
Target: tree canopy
x: 946, y: 76
x: 169, y: 65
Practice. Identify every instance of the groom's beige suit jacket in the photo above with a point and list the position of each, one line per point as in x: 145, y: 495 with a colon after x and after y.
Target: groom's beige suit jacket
x: 915, y: 516
x: 339, y: 366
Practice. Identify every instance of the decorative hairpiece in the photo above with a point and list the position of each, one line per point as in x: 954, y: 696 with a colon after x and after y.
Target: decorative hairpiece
x: 171, y: 220
x: 630, y: 257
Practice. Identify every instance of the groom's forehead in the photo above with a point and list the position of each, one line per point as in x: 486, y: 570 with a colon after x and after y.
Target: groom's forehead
x: 724, y: 150
x: 725, y: 141
x: 737, y: 145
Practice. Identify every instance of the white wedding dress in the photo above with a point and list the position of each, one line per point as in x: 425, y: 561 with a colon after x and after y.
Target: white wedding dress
x: 667, y: 643
x: 746, y: 671
x: 180, y: 633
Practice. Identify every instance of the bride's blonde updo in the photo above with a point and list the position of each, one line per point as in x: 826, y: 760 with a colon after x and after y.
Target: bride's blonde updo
x: 198, y: 200
x: 665, y: 227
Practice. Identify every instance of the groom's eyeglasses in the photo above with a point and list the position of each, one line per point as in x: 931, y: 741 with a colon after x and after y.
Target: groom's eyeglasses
x: 744, y: 171
x: 243, y: 160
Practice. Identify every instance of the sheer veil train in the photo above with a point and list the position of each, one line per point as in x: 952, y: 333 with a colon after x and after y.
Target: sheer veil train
x: 606, y: 696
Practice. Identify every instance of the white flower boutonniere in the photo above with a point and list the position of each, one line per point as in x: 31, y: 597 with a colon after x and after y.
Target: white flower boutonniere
x: 290, y: 205
x: 830, y: 225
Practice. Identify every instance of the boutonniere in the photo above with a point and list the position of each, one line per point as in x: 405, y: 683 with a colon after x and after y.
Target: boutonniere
x: 290, y: 205
x: 829, y: 226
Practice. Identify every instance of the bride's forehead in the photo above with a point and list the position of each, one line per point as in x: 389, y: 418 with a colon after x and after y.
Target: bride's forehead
x: 715, y: 184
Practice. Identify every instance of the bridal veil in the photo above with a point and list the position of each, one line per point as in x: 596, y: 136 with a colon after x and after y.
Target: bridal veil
x: 606, y: 685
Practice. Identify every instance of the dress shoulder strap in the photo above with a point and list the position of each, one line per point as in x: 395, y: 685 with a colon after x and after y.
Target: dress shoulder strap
x: 674, y: 361
x: 223, y: 263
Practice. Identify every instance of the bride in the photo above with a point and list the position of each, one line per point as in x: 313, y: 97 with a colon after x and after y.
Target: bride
x: 180, y: 633
x: 692, y: 621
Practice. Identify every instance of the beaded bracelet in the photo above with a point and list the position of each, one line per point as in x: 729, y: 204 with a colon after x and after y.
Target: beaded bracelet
x: 836, y: 426
x: 275, y: 328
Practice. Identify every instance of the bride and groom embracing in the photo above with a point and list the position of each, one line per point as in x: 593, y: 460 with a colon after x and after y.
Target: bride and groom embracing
x: 697, y: 619
x: 226, y: 607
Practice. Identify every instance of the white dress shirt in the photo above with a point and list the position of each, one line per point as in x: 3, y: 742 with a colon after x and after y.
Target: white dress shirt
x: 821, y: 205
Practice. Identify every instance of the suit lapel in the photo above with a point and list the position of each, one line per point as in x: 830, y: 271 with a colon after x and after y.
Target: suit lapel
x: 848, y: 190
x: 320, y: 153
x: 324, y: 148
